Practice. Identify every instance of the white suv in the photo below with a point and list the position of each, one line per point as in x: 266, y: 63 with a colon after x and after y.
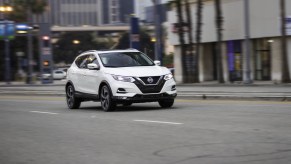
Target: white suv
x: 118, y: 77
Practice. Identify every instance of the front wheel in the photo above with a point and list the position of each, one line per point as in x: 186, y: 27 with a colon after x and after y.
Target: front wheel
x: 166, y: 103
x: 72, y: 101
x: 107, y: 103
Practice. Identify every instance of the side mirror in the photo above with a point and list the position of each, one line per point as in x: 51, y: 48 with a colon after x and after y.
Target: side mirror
x: 93, y: 66
x: 157, y: 62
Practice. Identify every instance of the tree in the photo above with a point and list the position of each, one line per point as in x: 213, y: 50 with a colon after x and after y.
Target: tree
x: 23, y: 10
x: 146, y: 45
x: 182, y: 40
x: 192, y: 72
x: 285, y: 68
x: 219, y: 21
x: 198, y: 36
x: 21, y: 7
x: 71, y: 44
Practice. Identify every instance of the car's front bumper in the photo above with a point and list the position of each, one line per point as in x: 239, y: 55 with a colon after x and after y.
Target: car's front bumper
x: 138, y: 92
x: 139, y: 98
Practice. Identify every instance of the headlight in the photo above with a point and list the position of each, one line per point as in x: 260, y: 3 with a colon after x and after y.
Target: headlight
x: 168, y: 76
x: 123, y: 78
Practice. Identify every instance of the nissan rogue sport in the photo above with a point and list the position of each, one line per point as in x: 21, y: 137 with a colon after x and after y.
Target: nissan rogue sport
x: 118, y: 77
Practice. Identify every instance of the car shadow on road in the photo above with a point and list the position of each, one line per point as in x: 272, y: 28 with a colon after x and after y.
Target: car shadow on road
x: 133, y: 108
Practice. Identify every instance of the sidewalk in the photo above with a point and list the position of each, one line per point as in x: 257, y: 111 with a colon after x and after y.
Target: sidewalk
x: 36, y: 83
x: 206, y: 90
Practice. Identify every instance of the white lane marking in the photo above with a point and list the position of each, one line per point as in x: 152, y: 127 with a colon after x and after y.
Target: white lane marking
x: 42, y: 112
x: 93, y: 116
x: 160, y: 122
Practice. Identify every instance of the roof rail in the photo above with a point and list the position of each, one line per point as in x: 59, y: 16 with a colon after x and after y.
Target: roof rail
x: 89, y: 51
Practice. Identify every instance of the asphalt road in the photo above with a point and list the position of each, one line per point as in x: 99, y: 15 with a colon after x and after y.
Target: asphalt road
x: 41, y: 130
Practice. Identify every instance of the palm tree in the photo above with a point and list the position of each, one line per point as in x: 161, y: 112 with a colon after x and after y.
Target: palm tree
x: 181, y: 39
x: 36, y: 7
x: 29, y: 7
x: 198, y: 36
x: 285, y: 68
x: 190, y: 56
x: 219, y: 21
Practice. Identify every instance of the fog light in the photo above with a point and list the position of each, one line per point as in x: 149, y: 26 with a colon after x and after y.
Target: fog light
x: 121, y: 90
x: 122, y: 97
x: 173, y: 88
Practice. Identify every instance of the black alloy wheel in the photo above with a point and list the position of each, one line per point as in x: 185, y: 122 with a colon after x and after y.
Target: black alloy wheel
x: 166, y: 103
x: 72, y: 101
x: 107, y: 103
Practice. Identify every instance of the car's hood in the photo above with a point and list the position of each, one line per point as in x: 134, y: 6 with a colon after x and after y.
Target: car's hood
x: 138, y: 71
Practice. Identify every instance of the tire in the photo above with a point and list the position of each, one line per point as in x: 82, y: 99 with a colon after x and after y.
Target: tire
x: 72, y: 101
x: 166, y: 103
x: 107, y: 103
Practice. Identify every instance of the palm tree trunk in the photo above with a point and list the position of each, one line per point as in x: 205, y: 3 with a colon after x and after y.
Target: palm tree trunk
x: 181, y: 40
x: 219, y: 21
x: 192, y: 70
x: 198, y: 36
x: 285, y: 68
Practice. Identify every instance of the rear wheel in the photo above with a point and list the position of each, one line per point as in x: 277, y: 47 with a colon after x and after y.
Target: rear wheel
x: 166, y: 103
x: 72, y: 101
x: 107, y: 103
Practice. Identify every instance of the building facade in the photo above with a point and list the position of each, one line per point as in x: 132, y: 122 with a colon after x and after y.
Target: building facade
x: 84, y: 12
x: 90, y: 12
x: 265, y: 32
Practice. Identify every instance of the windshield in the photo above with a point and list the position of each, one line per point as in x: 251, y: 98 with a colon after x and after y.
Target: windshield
x: 125, y: 59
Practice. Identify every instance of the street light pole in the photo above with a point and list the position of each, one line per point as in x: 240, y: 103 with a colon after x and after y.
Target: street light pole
x: 157, y: 20
x: 6, y: 9
x: 29, y: 50
x: 7, y: 54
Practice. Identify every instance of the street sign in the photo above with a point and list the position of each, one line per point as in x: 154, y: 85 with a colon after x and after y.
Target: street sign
x: 7, y: 29
x: 46, y: 51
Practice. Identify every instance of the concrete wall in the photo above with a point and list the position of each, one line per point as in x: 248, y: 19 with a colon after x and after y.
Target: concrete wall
x: 276, y: 61
x: 178, y: 64
x: 206, y: 63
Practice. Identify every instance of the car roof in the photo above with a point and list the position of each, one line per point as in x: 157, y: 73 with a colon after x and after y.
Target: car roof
x: 110, y: 51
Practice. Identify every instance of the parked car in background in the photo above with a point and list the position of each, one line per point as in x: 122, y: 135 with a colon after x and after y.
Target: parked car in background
x: 57, y: 75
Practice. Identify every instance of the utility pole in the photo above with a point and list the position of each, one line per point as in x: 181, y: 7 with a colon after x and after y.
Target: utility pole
x: 247, y: 79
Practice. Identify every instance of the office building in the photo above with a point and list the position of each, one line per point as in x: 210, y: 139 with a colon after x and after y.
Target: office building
x: 265, y: 41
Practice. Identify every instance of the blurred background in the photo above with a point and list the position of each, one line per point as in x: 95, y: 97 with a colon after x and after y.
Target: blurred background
x: 198, y: 40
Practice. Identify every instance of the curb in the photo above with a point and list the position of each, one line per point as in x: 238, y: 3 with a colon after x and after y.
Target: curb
x: 180, y: 96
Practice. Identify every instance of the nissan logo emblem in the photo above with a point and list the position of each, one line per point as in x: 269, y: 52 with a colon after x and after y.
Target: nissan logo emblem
x: 150, y: 80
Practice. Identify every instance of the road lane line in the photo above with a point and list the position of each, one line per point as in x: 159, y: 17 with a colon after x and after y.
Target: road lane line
x: 42, y: 112
x: 160, y: 122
